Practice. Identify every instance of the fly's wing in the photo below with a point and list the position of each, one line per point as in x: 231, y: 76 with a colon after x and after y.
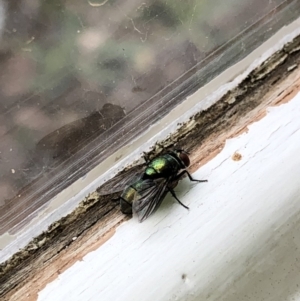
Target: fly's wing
x: 149, y: 199
x: 120, y: 181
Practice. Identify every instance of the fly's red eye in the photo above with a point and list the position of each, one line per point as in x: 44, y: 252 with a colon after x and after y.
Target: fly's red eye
x: 185, y: 159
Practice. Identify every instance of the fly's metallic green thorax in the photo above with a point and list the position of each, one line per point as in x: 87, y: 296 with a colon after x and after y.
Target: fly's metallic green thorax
x: 163, y: 166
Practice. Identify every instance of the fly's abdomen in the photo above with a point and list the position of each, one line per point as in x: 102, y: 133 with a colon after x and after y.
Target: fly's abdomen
x: 126, y: 199
x: 129, y: 195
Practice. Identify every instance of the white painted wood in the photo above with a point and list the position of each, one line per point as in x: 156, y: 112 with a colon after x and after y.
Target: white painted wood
x: 239, y: 241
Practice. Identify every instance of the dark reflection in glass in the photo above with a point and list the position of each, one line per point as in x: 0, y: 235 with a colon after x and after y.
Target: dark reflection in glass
x: 70, y: 69
x: 52, y: 153
x: 67, y: 140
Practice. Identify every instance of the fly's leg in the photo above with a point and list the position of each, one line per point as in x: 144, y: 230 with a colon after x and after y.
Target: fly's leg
x: 160, y: 149
x: 176, y: 178
x: 146, y: 158
x: 176, y: 198
x: 190, y: 177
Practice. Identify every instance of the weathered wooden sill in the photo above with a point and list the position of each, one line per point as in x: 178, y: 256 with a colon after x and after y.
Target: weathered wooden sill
x: 95, y: 220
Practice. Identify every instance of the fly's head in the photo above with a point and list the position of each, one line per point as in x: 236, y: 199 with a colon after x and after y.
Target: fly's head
x: 183, y: 157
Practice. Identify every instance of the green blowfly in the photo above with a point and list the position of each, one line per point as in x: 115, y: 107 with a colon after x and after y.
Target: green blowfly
x: 144, y: 190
